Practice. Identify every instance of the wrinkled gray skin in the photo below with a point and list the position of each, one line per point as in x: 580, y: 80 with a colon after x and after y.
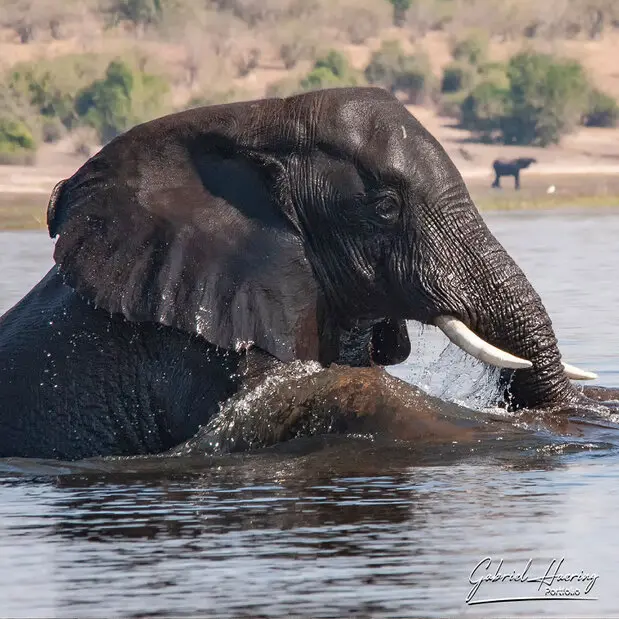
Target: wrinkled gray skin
x: 273, y: 226
x: 510, y: 167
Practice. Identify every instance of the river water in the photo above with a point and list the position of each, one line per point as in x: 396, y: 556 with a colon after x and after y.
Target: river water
x: 355, y: 526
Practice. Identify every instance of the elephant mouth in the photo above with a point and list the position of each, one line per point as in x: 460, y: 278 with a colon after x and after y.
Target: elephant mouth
x: 463, y: 337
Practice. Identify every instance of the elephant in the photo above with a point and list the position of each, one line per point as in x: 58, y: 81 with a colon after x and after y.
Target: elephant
x: 200, y: 254
x: 511, y: 167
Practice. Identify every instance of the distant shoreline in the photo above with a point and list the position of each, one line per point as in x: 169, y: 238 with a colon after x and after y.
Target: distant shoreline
x: 546, y: 170
x: 549, y: 202
x: 24, y: 191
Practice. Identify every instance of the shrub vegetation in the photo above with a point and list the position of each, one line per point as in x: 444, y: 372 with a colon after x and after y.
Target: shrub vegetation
x: 458, y: 76
x: 120, y: 99
x: 17, y: 144
x: 538, y: 100
x: 397, y: 71
x: 472, y: 48
x: 602, y: 110
x: 331, y: 70
x: 400, y: 7
x: 42, y: 101
x: 205, y: 49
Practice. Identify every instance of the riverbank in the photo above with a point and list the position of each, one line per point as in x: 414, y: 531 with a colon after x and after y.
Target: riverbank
x: 21, y: 209
x: 569, y: 189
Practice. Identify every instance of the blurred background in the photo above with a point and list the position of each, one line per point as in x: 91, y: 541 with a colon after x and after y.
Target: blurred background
x: 489, y: 78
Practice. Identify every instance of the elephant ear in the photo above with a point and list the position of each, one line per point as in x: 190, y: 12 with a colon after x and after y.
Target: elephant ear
x: 176, y: 223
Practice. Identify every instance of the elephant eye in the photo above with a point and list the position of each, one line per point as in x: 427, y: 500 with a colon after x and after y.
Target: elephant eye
x: 387, y: 207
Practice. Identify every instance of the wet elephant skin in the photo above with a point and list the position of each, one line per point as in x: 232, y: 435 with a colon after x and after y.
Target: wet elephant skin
x: 198, y: 251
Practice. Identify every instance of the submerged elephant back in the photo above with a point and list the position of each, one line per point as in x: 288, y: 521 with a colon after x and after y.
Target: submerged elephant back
x: 77, y: 382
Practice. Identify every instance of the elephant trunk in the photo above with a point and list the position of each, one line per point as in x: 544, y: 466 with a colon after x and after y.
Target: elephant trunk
x: 474, y: 279
x: 512, y: 317
x: 520, y: 324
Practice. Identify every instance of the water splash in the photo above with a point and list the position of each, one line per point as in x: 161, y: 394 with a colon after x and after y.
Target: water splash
x: 445, y: 371
x: 247, y: 417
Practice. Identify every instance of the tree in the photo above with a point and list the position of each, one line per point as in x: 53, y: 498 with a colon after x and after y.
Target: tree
x: 19, y: 130
x: 320, y: 78
x: 294, y: 50
x: 141, y: 14
x: 472, y: 49
x: 335, y: 62
x: 49, y: 86
x: 457, y: 76
x: 330, y: 71
x: 15, y: 135
x: 120, y: 100
x: 400, y: 7
x: 255, y: 12
x: 483, y: 110
x: 547, y: 97
x: 539, y: 100
x: 603, y: 110
x: 395, y: 71
x: 597, y: 14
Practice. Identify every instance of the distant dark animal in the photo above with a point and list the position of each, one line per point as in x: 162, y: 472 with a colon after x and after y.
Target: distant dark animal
x: 511, y: 167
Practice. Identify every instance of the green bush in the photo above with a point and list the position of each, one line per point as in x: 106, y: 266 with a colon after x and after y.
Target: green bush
x: 460, y: 79
x: 320, y: 78
x: 17, y: 144
x: 538, y: 100
x: 50, y: 86
x: 495, y: 72
x: 394, y: 70
x: 548, y: 97
x: 602, y: 111
x: 450, y: 104
x: 119, y: 100
x: 472, y: 49
x: 335, y: 62
x: 20, y: 126
x: 43, y: 93
x: 385, y: 65
x: 483, y: 110
x: 64, y: 93
x: 330, y: 71
x: 457, y: 76
x: 140, y: 13
x: 400, y: 7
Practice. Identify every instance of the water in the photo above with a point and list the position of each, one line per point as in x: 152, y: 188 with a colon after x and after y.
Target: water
x: 356, y: 526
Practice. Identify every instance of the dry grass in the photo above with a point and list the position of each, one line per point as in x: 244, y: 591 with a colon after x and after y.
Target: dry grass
x: 22, y: 211
x: 570, y: 190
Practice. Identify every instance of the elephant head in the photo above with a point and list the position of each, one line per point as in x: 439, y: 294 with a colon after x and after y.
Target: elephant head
x: 281, y: 223
x: 525, y: 162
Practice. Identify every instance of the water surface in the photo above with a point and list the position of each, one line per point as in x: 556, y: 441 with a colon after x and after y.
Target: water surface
x: 345, y: 525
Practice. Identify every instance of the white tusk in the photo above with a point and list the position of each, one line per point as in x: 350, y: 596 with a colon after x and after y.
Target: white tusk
x: 577, y: 374
x: 464, y: 338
